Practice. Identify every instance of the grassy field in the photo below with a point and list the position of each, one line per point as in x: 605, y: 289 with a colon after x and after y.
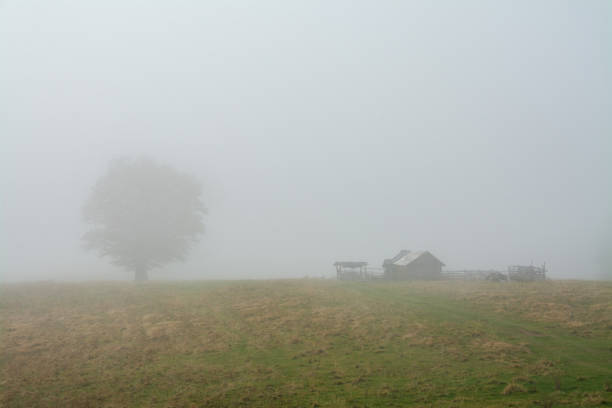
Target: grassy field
x: 306, y: 343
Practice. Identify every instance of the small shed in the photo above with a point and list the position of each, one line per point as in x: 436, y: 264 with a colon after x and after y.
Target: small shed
x: 412, y: 265
x: 351, y: 270
x: 523, y: 273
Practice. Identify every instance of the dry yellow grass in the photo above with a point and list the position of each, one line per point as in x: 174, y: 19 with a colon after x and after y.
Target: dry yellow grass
x: 304, y: 343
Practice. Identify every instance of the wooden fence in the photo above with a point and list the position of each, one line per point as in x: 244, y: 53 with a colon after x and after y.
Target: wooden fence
x: 489, y: 274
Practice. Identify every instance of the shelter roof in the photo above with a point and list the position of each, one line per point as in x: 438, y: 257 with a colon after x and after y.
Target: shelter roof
x: 350, y: 264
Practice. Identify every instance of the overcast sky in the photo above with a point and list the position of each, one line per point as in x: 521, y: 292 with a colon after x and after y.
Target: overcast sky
x: 321, y: 130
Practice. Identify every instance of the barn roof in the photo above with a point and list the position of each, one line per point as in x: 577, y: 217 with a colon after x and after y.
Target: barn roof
x: 405, y: 257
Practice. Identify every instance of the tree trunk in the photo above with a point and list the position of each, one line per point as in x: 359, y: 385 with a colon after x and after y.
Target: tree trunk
x: 141, y: 275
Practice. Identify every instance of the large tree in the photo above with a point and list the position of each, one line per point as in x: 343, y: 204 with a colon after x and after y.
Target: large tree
x: 143, y: 215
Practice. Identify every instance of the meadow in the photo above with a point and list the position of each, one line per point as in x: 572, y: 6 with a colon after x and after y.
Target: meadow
x: 306, y: 343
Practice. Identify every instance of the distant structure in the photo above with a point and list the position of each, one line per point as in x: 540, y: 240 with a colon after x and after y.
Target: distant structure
x: 422, y: 265
x: 529, y: 273
x: 412, y: 265
x: 350, y: 270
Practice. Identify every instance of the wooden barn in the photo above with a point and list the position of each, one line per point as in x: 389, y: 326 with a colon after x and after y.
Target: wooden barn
x: 412, y: 265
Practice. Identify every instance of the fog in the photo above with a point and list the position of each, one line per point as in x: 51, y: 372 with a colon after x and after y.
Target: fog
x: 321, y: 131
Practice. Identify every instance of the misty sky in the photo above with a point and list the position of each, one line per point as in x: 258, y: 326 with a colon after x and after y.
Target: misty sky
x: 321, y: 130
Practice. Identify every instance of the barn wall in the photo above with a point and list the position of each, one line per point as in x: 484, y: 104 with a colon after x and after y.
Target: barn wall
x: 425, y: 269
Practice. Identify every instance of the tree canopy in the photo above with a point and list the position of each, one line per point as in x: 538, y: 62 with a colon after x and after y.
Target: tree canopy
x: 143, y: 215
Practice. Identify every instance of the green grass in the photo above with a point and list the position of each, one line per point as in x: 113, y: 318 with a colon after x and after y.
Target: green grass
x: 306, y: 343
